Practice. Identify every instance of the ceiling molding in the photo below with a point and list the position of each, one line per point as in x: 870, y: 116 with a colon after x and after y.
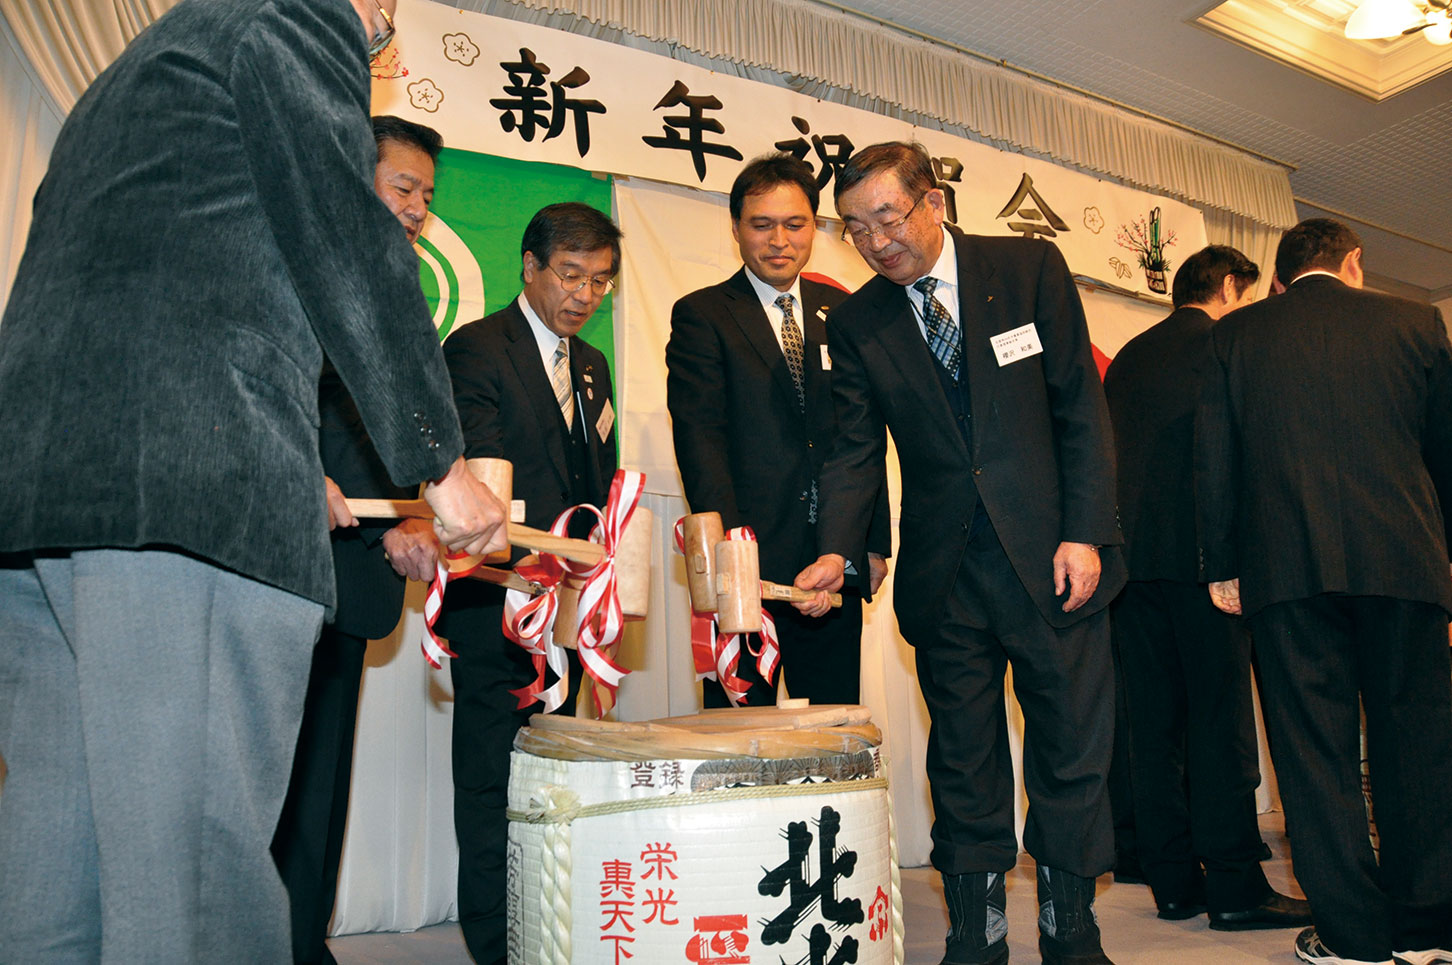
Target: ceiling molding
x: 1300, y: 37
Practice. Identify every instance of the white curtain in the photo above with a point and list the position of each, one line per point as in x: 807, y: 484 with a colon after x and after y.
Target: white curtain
x: 28, y: 125
x: 399, y: 864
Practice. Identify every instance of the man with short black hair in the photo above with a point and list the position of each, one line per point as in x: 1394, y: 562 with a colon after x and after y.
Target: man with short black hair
x: 529, y: 390
x: 973, y: 351
x: 1323, y: 477
x: 308, y: 843
x: 1186, y: 665
x: 750, y: 396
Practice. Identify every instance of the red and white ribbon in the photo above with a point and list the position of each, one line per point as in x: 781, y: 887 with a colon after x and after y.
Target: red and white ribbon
x: 599, y: 618
x: 433, y: 648
x: 528, y: 620
x: 717, y: 655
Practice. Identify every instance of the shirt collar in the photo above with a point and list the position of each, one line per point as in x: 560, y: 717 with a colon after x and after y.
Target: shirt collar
x: 1316, y: 271
x: 546, y: 340
x: 769, y: 295
x: 945, y: 269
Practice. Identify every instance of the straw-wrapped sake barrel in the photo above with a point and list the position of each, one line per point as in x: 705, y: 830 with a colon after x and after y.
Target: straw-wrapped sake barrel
x: 730, y: 837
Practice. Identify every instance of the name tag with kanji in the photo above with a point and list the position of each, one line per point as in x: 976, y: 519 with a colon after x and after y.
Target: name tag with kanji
x: 606, y: 422
x: 826, y: 360
x: 1019, y: 343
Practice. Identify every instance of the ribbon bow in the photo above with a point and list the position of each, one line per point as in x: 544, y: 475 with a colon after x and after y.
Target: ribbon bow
x: 599, y: 619
x: 717, y: 654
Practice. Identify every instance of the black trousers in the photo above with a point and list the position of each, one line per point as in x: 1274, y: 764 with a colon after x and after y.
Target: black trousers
x: 1064, y: 681
x: 488, y: 666
x: 308, y: 843
x: 1317, y: 656
x: 1191, y: 745
x: 821, y: 658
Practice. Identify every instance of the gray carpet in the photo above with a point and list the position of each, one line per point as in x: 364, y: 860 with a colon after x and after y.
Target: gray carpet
x: 1132, y: 933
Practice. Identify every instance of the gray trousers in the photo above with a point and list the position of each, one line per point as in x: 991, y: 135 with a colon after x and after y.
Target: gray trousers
x: 149, y: 707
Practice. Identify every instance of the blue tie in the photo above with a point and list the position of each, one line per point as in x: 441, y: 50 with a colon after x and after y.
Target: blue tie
x: 943, y: 338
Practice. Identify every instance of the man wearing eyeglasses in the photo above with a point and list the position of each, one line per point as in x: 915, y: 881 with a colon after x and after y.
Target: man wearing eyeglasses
x: 529, y: 390
x: 206, y: 233
x: 750, y: 396
x: 973, y: 352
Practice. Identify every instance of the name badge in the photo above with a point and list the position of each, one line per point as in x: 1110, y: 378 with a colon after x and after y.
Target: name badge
x: 1020, y: 343
x: 826, y: 359
x: 606, y: 422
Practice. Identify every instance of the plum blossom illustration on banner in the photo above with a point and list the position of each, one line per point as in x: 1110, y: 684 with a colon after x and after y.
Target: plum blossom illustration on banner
x: 387, y: 64
x: 425, y: 95
x: 1093, y: 220
x: 460, y: 49
x: 1148, y: 240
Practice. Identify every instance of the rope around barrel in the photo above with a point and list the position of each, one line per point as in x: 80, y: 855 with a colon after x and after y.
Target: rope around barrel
x: 567, y: 811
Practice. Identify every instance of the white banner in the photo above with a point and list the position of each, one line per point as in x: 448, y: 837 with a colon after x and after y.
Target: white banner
x: 517, y: 90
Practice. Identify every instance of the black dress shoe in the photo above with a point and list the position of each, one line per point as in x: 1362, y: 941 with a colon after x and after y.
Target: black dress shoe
x: 1180, y: 910
x: 1276, y: 911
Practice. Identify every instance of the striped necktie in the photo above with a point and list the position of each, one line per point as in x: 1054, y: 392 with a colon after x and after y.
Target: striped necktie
x: 560, y: 377
x: 943, y: 338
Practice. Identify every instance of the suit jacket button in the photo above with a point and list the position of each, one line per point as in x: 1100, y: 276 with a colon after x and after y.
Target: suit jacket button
x: 433, y: 443
x: 977, y: 470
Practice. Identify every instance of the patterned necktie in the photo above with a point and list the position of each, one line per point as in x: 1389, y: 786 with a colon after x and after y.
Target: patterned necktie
x: 791, y: 347
x: 560, y: 377
x: 943, y: 336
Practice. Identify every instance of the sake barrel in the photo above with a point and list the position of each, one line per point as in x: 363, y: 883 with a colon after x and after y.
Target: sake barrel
x: 753, y: 835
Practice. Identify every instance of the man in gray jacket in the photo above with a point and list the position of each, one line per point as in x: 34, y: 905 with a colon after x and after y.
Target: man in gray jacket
x: 207, y: 230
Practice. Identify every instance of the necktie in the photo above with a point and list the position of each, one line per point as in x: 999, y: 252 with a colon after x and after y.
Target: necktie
x: 943, y: 338
x: 791, y: 347
x: 560, y: 377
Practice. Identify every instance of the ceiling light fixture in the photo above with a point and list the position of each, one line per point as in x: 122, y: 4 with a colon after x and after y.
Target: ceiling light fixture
x: 1384, y: 19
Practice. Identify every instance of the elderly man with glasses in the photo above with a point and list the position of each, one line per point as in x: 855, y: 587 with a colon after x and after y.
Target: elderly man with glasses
x: 529, y: 390
x: 973, y: 352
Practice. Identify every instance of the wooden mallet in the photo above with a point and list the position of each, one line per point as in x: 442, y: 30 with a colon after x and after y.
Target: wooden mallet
x: 632, y: 554
x: 724, y: 576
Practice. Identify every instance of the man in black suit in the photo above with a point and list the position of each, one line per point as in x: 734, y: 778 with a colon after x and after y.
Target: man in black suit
x: 529, y: 390
x: 1186, y: 664
x: 1323, y: 470
x: 308, y: 842
x: 750, y: 396
x: 206, y: 232
x: 974, y: 353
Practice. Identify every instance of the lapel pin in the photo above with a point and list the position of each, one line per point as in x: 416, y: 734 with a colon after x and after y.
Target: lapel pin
x: 590, y: 394
x: 990, y: 298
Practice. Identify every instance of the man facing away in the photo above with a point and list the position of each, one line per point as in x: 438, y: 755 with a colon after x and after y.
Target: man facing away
x: 529, y: 390
x: 974, y: 353
x: 750, y: 396
x: 1186, y: 665
x: 206, y: 232
x: 1323, y: 473
x: 308, y: 843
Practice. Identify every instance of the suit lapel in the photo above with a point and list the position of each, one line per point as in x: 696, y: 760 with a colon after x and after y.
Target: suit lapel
x: 745, y: 310
x: 980, y: 310
x: 524, y: 355
x: 814, y: 338
x: 592, y: 389
x: 903, y: 343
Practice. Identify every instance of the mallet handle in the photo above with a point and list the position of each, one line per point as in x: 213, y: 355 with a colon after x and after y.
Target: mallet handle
x: 508, y: 579
x: 579, y: 550
x: 390, y: 508
x: 775, y: 591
